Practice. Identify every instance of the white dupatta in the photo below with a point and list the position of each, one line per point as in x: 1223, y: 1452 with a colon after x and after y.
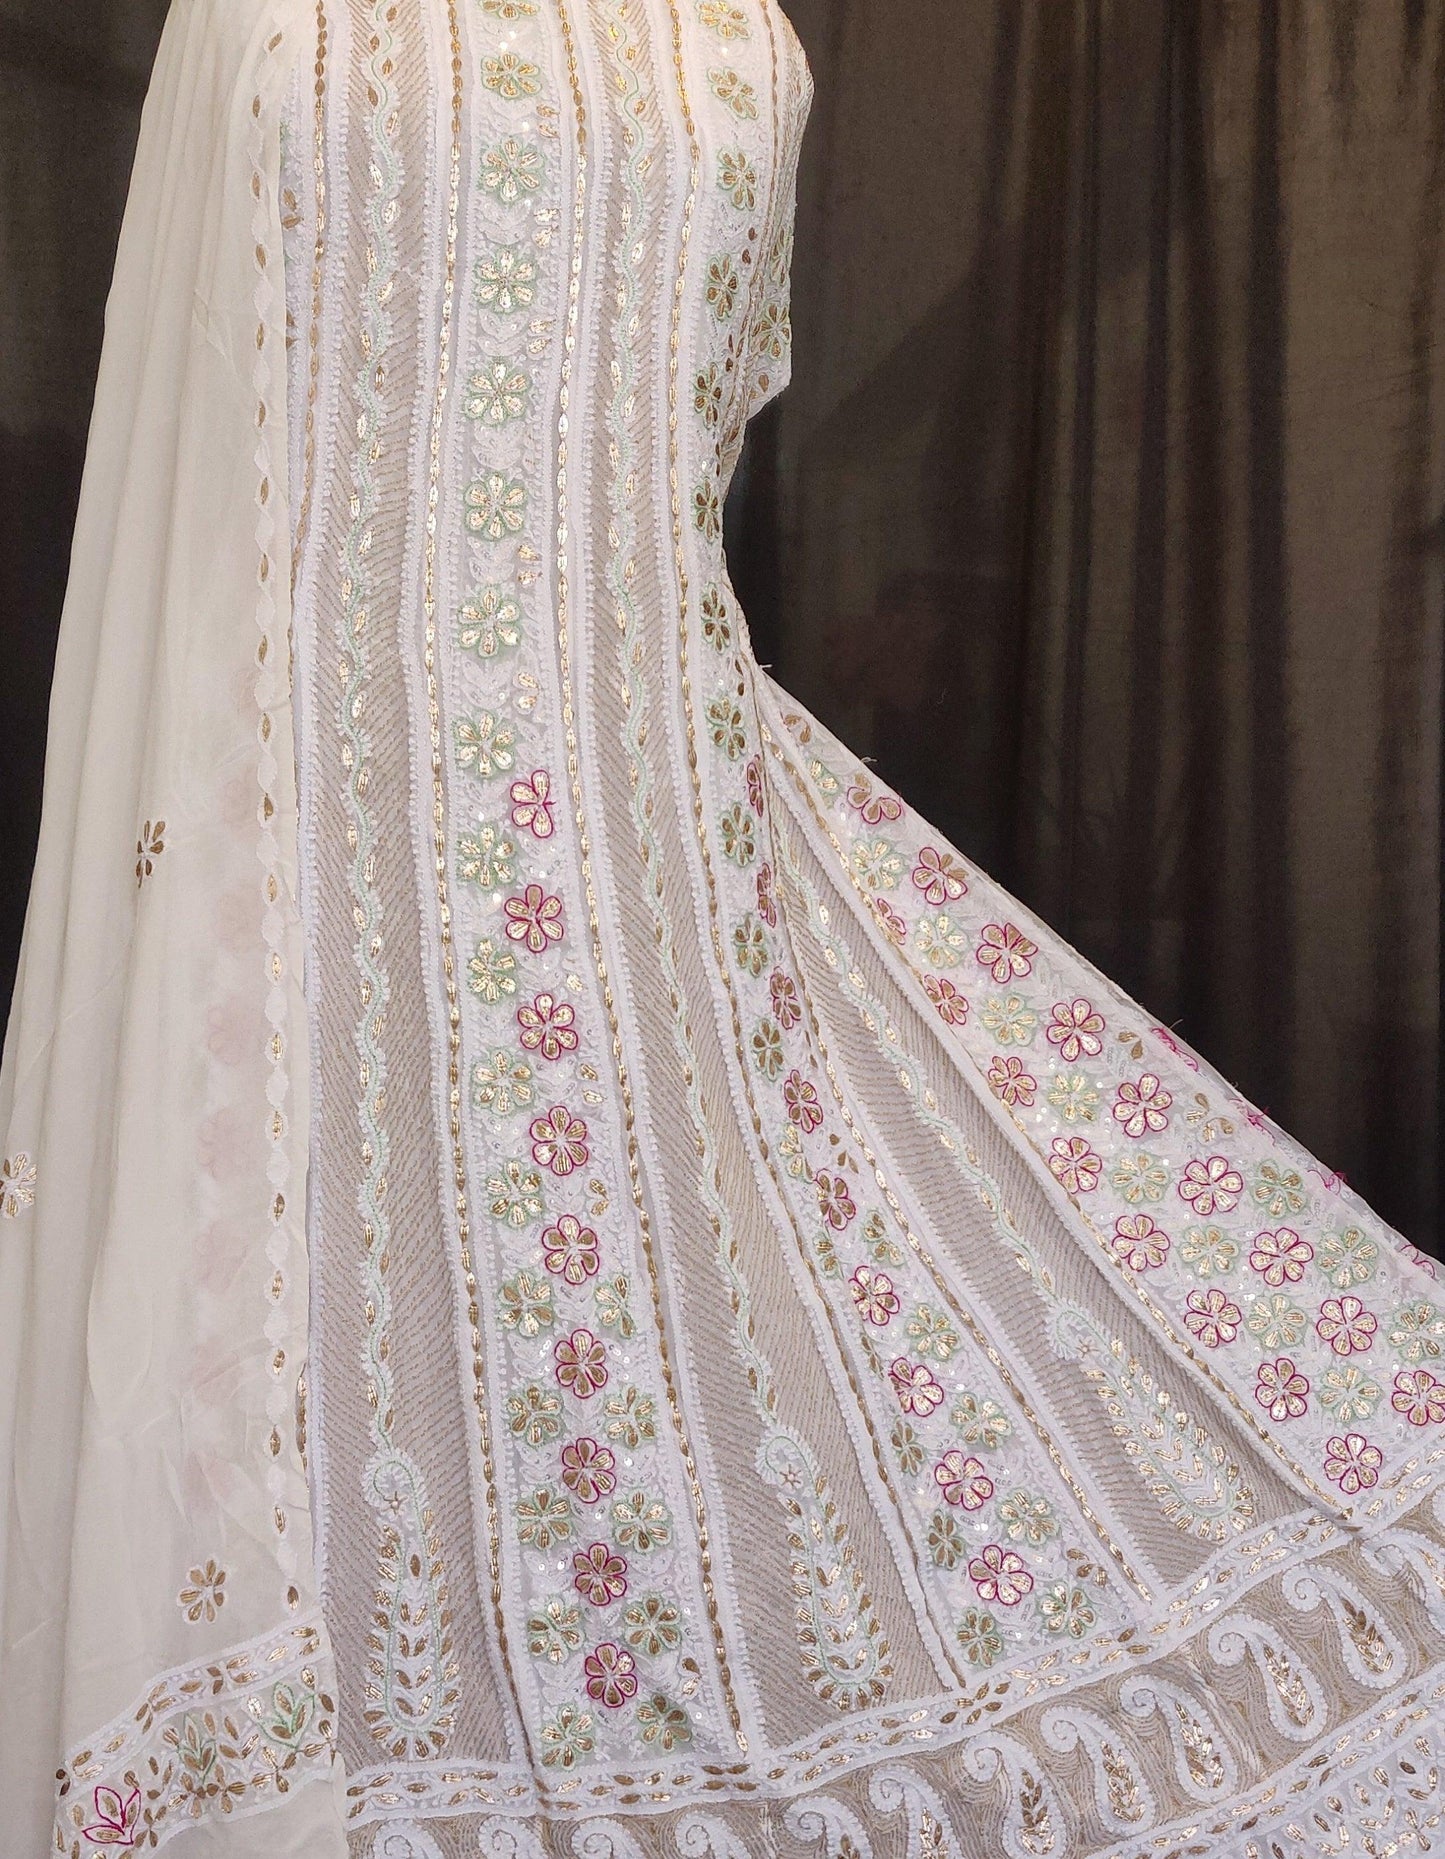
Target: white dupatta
x: 163, y: 1666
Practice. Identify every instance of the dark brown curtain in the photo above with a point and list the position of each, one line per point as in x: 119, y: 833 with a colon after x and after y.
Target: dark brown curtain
x: 1106, y: 511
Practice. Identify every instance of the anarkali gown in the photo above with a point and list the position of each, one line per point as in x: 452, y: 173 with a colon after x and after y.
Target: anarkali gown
x: 573, y: 1280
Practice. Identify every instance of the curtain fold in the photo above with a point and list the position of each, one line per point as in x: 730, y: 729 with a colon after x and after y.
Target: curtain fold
x: 1109, y: 506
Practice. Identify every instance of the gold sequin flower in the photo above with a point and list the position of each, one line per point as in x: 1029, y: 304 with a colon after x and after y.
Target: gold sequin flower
x: 17, y: 1185
x: 204, y: 1594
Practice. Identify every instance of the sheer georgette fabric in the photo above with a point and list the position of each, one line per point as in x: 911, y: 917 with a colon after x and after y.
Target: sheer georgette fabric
x: 573, y: 1279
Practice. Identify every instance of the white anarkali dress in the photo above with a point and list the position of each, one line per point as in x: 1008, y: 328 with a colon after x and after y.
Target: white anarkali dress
x: 572, y: 1279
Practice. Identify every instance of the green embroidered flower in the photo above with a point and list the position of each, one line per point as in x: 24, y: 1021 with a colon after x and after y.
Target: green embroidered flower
x: 931, y: 1334
x: 707, y: 510
x: 1010, y: 1019
x: 506, y: 280
x: 727, y: 726
x: 292, y: 1707
x: 980, y: 1421
x: 554, y: 1631
x: 496, y: 506
x: 1417, y: 1331
x: 940, y: 940
x: 497, y: 394
x: 631, y: 1418
x: 1067, y: 1610
x: 767, y: 1044
x: 512, y: 170
x: 715, y: 626
x: 1279, y: 1191
x: 1276, y: 1323
x: 524, y: 1304
x: 790, y: 1148
x: 1212, y: 1253
x: 823, y: 778
x: 663, y: 1722
x: 1348, y: 1393
x: 878, y: 864
x: 738, y: 835
x: 535, y: 1415
x: 1028, y: 1518
x: 750, y: 946
x: 491, y: 973
x: 487, y: 856
x: 979, y: 1637
x: 485, y: 746
x: 882, y: 1249
x: 195, y: 1747
x: 544, y: 1519
x: 1140, y: 1178
x: 613, y: 1310
x: 773, y: 332
x: 652, y: 1624
x: 514, y: 1194
x: 490, y: 622
x: 510, y: 10
x: 738, y: 178
x: 945, y: 1540
x: 909, y: 1448
x: 724, y: 18
x: 723, y: 285
x: 511, y: 77
x: 641, y: 1523
x: 1074, y: 1097
x: 707, y: 395
x: 567, y: 1736
x: 502, y: 1083
x: 1347, y: 1258
x: 733, y: 90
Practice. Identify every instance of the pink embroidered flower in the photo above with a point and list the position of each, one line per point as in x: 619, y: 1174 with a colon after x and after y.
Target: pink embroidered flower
x: 962, y: 1481
x: 878, y: 1303
x: 1012, y: 1083
x: 1076, y: 1029
x: 939, y: 876
x: 784, y: 995
x: 116, y: 1818
x: 1282, y: 1391
x: 1346, y: 1325
x: 549, y: 1026
x: 611, y: 1674
x: 754, y: 778
x: 1075, y: 1164
x: 1212, y: 1317
x: 1139, y: 1243
x: 588, y: 1470
x: 875, y: 808
x: 801, y: 1103
x: 1280, y: 1258
x: 1352, y: 1462
x: 1142, y: 1109
x: 559, y: 1141
x: 889, y: 921
x: 1212, y: 1186
x: 1000, y: 1575
x: 570, y: 1251
x: 581, y: 1363
x: 767, y: 905
x: 835, y: 1203
x: 952, y: 1006
x: 1419, y: 1397
x: 534, y: 918
x: 599, y: 1574
x: 532, y: 805
x: 914, y: 1384
x: 1005, y: 952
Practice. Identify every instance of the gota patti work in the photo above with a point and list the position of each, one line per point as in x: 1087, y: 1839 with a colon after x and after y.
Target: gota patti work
x: 602, y: 1291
